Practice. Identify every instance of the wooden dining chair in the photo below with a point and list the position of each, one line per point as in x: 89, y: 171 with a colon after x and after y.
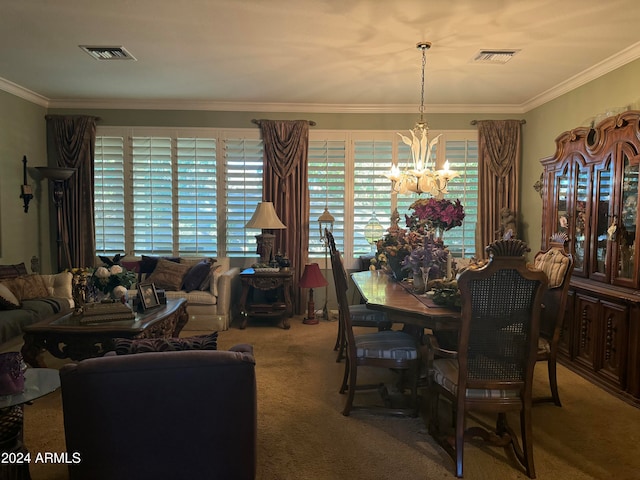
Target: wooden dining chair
x: 387, y: 349
x: 557, y: 264
x: 492, y: 369
x: 361, y: 316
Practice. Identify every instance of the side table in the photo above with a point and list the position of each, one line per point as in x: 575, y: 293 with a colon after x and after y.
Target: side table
x: 276, y: 288
x: 38, y: 382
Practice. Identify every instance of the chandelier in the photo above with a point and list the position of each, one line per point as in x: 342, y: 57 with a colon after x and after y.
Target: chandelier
x: 421, y: 179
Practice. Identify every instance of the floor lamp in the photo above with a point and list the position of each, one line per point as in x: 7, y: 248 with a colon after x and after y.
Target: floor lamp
x: 57, y: 175
x: 325, y: 221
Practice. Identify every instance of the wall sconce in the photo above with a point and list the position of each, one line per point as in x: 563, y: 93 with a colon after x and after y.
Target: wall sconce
x: 26, y: 194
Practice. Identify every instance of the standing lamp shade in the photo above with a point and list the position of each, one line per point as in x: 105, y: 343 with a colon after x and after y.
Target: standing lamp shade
x: 265, y: 218
x: 312, y: 278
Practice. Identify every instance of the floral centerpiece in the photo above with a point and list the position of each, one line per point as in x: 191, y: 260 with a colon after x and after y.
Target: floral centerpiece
x: 114, y: 280
x: 416, y: 248
x: 436, y: 214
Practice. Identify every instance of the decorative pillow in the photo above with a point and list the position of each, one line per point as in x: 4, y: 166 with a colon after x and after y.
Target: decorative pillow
x: 59, y: 284
x: 12, y: 271
x: 168, y: 275
x: 148, y: 263
x: 8, y: 300
x: 196, y: 275
x: 125, y: 346
x: 28, y: 287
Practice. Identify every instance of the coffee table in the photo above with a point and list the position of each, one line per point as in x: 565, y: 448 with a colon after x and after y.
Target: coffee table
x: 64, y: 337
x: 15, y: 457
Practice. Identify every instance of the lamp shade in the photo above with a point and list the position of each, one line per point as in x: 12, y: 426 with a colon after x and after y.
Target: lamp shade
x: 312, y: 277
x: 56, y: 173
x: 265, y: 217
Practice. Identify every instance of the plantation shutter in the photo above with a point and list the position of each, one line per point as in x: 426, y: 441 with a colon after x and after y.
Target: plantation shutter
x: 243, y: 176
x: 153, y: 216
x: 109, y: 195
x: 197, y: 189
x: 326, y: 173
x: 372, y: 192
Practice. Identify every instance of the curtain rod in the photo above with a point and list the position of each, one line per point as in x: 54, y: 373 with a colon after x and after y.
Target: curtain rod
x: 474, y: 122
x: 257, y: 122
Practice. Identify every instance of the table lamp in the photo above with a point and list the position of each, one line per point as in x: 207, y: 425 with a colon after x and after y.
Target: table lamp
x: 311, y: 278
x: 265, y: 218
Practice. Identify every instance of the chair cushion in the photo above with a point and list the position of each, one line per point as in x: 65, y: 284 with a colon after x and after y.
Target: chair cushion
x: 387, y: 344
x: 362, y: 316
x: 445, y: 374
x: 554, y: 264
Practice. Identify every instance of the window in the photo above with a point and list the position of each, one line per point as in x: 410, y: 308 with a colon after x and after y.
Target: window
x: 192, y: 191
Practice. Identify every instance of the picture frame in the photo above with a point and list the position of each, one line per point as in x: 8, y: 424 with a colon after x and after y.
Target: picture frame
x: 147, y: 296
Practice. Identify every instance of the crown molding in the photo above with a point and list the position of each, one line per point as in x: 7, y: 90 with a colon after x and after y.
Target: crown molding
x: 627, y: 55
x: 276, y: 107
x: 21, y: 92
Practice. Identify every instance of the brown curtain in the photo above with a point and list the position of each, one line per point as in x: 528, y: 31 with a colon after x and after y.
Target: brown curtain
x: 286, y: 145
x: 75, y: 138
x: 499, y: 154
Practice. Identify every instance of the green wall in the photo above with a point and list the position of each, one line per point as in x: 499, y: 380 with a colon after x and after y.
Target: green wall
x: 23, y: 132
x: 23, y: 235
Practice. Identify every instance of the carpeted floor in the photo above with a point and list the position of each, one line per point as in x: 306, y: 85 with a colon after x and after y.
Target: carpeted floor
x: 303, y: 436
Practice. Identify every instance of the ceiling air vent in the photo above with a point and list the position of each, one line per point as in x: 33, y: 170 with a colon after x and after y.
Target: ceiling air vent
x: 494, y: 56
x: 107, y: 53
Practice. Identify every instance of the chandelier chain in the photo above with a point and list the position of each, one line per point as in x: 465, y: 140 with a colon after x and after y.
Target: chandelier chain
x: 424, y: 62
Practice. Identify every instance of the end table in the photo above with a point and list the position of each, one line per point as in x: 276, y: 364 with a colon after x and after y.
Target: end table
x: 276, y: 287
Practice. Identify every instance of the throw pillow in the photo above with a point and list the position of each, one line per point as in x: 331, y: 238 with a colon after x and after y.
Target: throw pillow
x: 149, y: 263
x: 126, y: 346
x: 196, y: 275
x: 12, y: 271
x: 8, y: 300
x: 27, y: 287
x: 168, y: 275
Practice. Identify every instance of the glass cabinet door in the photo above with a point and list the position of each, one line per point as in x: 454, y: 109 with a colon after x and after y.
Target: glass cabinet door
x: 562, y: 190
x: 602, y: 220
x: 625, y: 234
x: 580, y: 216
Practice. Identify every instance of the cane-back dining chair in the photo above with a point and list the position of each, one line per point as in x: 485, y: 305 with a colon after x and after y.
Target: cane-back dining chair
x: 492, y: 369
x: 557, y: 264
x: 387, y: 349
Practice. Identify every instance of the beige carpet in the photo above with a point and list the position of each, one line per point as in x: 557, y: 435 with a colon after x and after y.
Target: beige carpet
x: 302, y: 434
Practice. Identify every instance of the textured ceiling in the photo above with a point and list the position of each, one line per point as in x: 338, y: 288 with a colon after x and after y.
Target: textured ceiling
x: 346, y: 55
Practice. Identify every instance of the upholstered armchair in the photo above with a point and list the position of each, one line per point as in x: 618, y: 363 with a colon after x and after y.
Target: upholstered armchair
x: 177, y: 414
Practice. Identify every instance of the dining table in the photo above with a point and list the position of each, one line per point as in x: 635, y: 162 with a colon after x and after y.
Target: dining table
x: 380, y: 291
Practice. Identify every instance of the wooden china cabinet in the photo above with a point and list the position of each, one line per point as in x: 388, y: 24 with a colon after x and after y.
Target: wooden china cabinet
x: 591, y: 193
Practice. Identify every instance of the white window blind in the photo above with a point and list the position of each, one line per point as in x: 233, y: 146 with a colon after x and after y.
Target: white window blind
x: 153, y: 195
x: 109, y: 195
x: 243, y: 167
x: 372, y: 191
x: 197, y: 190
x: 326, y: 173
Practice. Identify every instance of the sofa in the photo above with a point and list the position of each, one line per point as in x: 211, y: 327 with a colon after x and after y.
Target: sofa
x: 164, y: 414
x: 210, y: 286
x: 29, y: 298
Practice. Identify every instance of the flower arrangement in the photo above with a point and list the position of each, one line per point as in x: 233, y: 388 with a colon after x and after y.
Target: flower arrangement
x: 114, y: 280
x: 431, y: 255
x: 436, y: 213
